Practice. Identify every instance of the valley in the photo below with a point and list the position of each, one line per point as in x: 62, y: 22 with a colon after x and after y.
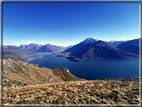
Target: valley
x: 90, y: 48
x: 90, y: 72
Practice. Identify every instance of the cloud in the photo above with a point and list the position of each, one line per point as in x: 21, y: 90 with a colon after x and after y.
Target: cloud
x: 18, y: 43
x: 29, y: 42
x: 123, y: 37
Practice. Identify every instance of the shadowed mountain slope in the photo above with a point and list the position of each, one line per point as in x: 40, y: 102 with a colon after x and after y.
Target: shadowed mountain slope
x: 80, y: 45
x: 130, y: 46
x: 97, y: 49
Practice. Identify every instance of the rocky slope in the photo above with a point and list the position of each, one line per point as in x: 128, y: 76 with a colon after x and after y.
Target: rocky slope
x: 22, y: 73
x: 74, y: 92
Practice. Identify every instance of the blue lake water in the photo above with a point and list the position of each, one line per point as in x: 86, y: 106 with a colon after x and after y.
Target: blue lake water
x: 91, y: 69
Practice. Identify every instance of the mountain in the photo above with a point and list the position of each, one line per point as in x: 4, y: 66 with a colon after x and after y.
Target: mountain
x: 89, y: 40
x: 16, y: 53
x: 69, y: 46
x: 130, y: 46
x: 96, y: 49
x: 49, y: 48
x: 41, y: 48
x: 116, y: 43
x: 81, y: 45
x: 31, y: 47
x: 21, y: 73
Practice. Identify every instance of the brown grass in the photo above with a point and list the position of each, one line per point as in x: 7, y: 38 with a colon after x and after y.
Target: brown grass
x: 74, y: 92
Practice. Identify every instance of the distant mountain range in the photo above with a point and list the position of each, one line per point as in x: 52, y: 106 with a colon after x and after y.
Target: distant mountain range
x: 116, y: 43
x: 41, y: 48
x: 91, y: 48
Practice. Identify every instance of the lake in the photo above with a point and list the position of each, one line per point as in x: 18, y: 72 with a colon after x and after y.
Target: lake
x: 91, y: 69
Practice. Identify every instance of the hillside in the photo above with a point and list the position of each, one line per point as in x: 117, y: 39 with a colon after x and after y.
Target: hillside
x: 96, y: 49
x: 22, y: 73
x: 16, y: 53
x: 74, y: 92
x: 130, y: 46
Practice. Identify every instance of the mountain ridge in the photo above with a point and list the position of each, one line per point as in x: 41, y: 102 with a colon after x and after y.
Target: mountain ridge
x: 130, y: 46
x: 41, y: 47
x: 96, y: 49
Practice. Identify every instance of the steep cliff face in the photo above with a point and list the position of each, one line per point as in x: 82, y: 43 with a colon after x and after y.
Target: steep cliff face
x: 22, y: 73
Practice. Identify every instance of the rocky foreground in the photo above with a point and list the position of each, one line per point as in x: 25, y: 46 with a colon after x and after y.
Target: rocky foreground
x: 74, y: 92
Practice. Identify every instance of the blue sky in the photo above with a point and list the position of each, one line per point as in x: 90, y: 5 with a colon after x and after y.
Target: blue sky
x: 69, y: 23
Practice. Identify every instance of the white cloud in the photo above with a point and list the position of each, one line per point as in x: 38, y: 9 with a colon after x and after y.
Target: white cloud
x: 51, y: 42
x: 29, y: 42
x: 18, y: 43
x: 123, y: 37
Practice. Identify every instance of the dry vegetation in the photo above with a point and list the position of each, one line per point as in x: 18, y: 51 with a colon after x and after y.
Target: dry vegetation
x: 74, y: 92
x: 22, y: 73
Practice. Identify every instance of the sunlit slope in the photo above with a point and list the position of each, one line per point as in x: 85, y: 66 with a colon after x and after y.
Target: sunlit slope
x: 22, y: 73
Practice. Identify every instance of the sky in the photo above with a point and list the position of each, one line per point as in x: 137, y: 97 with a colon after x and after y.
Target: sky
x: 65, y: 24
